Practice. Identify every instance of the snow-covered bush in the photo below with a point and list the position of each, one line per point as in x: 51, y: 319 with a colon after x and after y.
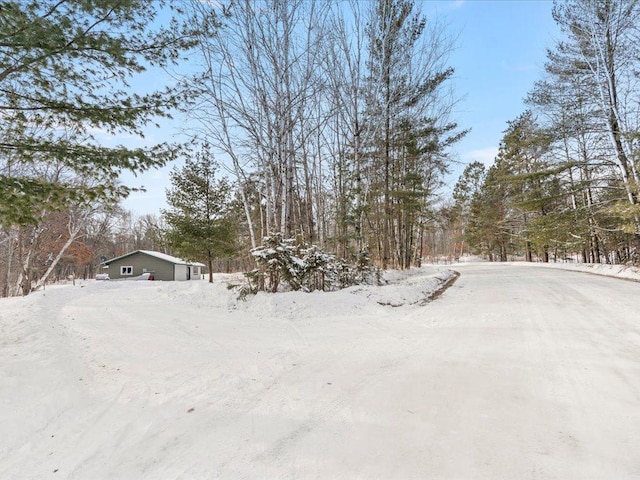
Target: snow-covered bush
x: 277, y: 262
x: 285, y: 265
x: 317, y: 268
x: 366, y: 271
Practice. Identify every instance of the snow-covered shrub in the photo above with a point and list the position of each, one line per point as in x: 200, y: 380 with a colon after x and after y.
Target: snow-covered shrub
x: 317, y: 268
x: 363, y: 271
x: 255, y: 283
x: 277, y: 261
x: 285, y: 265
x: 366, y: 271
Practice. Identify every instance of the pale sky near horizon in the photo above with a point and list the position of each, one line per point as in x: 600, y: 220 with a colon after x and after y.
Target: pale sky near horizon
x: 500, y: 53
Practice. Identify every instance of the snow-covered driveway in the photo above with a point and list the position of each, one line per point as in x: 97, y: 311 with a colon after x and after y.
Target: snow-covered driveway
x: 514, y: 373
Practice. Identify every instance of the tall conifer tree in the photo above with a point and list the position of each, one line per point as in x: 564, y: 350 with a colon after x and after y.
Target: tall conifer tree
x: 66, y: 71
x: 200, y: 227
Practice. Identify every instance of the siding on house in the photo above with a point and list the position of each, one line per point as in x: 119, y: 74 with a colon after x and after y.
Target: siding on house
x: 141, y: 264
x: 163, y: 267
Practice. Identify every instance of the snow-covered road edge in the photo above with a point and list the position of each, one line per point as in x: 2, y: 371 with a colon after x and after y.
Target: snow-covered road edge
x: 420, y: 286
x: 616, y: 271
x: 624, y: 272
x: 402, y: 288
x: 453, y: 275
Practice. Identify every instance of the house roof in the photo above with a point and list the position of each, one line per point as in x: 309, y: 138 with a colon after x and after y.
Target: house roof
x: 161, y: 256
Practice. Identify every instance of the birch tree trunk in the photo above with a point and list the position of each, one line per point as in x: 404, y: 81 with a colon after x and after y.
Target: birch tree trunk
x: 602, y: 36
x: 73, y: 236
x: 258, y: 71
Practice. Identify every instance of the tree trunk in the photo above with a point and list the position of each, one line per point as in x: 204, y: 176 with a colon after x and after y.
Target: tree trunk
x: 210, y: 265
x: 72, y: 238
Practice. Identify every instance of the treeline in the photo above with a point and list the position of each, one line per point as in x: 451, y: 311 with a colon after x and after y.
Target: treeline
x: 332, y: 121
x: 332, y: 118
x: 66, y: 70
x: 565, y: 183
x: 335, y: 118
x: 67, y: 243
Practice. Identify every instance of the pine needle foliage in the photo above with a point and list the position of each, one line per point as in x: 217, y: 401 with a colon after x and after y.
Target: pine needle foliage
x: 199, y: 219
x: 66, y: 75
x: 287, y: 264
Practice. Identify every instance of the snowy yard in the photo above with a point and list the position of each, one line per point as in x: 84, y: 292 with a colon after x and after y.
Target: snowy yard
x: 166, y: 380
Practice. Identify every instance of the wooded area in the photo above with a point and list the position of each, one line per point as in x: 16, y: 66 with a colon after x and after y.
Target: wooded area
x: 565, y: 183
x: 334, y: 122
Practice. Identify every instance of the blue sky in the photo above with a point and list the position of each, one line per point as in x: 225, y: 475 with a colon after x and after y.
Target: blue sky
x: 500, y: 54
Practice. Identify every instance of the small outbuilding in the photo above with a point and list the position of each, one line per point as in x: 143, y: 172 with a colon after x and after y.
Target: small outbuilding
x: 160, y: 265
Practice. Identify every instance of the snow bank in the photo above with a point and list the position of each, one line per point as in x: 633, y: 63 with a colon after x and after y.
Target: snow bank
x: 407, y: 288
x: 168, y: 379
x: 617, y: 271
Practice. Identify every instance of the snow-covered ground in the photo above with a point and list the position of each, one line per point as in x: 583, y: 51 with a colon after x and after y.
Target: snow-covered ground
x: 114, y: 379
x: 626, y: 272
x: 167, y: 380
x: 618, y: 271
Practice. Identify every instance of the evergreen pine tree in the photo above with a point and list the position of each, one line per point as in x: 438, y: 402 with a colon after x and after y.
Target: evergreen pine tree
x: 66, y: 71
x: 200, y: 225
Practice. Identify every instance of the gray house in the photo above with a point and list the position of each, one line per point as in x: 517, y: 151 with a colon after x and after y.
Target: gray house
x: 160, y: 265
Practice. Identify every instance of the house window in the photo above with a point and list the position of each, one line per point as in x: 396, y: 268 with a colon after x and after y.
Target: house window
x: 126, y: 270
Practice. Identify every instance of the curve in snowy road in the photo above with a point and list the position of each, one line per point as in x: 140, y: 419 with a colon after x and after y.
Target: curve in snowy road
x: 515, y: 372
x: 537, y: 374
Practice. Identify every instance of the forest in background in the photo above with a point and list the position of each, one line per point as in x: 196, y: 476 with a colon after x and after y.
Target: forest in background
x: 565, y: 182
x: 332, y: 123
